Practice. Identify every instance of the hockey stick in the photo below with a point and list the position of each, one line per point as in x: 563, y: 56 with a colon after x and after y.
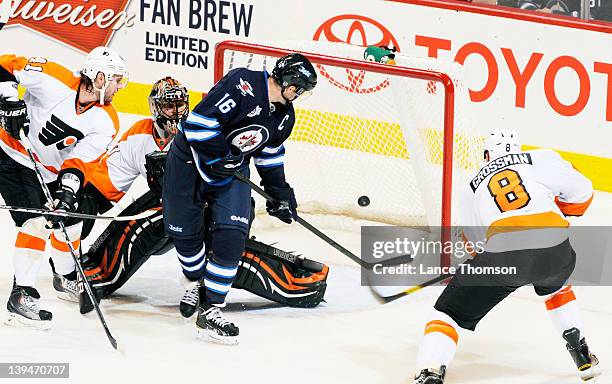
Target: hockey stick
x: 364, y: 264
x: 406, y: 292
x: 42, y: 211
x: 5, y: 12
x: 28, y: 147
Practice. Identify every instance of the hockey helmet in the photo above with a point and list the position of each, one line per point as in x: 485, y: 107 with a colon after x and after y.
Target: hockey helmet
x: 295, y: 69
x: 501, y: 141
x: 107, y: 61
x: 169, y: 104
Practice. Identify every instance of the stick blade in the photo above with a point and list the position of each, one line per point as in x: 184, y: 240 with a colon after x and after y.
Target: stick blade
x: 113, y: 342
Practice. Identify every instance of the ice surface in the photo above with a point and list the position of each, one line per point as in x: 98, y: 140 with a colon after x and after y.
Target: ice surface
x: 348, y: 339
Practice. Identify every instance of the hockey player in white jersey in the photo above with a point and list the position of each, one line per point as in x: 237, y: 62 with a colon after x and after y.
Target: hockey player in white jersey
x: 70, y: 122
x: 517, y: 204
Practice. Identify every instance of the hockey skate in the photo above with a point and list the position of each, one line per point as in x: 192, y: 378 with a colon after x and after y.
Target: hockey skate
x: 23, y: 309
x: 585, y: 361
x: 214, y: 327
x: 431, y: 376
x: 66, y: 287
x: 190, y: 300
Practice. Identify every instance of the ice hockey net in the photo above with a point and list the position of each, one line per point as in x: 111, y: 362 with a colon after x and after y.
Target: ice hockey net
x: 396, y: 134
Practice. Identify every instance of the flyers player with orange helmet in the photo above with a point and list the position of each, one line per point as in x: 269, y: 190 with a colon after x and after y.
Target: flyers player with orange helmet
x: 70, y: 121
x: 516, y: 205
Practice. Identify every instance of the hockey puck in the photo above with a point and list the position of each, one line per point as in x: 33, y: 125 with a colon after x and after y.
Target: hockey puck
x: 363, y: 201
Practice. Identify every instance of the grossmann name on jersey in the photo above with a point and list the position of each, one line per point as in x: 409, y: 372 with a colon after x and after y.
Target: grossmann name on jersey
x: 498, y: 164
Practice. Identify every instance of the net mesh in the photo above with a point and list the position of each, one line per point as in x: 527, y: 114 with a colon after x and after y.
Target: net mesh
x: 375, y: 135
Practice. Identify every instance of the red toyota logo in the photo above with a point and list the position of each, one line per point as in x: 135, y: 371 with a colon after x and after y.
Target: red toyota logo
x: 356, y: 30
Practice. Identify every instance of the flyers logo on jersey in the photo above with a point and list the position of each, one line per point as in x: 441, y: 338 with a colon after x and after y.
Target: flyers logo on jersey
x: 82, y: 24
x: 59, y: 133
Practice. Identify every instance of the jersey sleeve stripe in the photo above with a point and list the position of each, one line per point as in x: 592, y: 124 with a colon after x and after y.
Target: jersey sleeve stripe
x: 269, y: 162
x: 203, y: 121
x: 205, y: 177
x: 273, y: 150
x: 192, y: 135
x: 573, y: 209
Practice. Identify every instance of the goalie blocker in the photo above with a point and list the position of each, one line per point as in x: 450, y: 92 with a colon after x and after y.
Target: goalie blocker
x: 123, y: 247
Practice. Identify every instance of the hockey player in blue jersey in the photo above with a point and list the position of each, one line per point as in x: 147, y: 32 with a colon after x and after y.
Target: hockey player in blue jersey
x: 247, y: 114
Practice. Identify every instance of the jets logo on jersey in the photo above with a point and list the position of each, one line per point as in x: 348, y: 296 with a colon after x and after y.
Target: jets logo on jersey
x: 59, y: 133
x: 245, y: 88
x: 249, y: 138
x: 255, y: 112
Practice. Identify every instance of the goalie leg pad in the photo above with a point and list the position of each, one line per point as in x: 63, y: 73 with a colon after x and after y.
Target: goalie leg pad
x: 280, y: 280
x: 124, y: 246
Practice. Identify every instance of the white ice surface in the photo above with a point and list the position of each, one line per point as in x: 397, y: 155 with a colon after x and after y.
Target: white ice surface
x: 348, y: 339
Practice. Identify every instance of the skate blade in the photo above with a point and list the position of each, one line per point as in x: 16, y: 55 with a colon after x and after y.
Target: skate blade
x: 15, y: 320
x: 66, y: 296
x: 213, y: 337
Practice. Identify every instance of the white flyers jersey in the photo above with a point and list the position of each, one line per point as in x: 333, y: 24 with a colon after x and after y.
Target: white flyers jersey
x: 61, y: 136
x: 525, y: 189
x: 117, y: 170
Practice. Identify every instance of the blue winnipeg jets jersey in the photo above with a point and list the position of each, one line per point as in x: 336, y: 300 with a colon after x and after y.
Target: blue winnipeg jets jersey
x: 237, y: 111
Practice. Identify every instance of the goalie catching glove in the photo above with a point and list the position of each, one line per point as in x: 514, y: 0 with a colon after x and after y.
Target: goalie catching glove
x: 155, y: 164
x: 14, y: 117
x: 284, y: 208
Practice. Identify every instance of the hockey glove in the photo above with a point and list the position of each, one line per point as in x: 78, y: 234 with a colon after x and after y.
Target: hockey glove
x: 226, y: 166
x: 14, y: 117
x: 155, y: 164
x: 66, y: 198
x: 285, y: 206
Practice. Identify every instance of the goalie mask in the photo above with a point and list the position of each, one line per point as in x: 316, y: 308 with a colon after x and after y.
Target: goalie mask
x: 169, y: 104
x: 108, y: 62
x: 500, y: 142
